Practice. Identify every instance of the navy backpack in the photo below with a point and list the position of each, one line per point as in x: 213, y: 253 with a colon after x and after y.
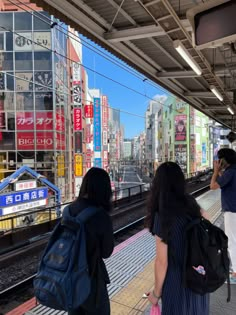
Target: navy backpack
x: 63, y: 281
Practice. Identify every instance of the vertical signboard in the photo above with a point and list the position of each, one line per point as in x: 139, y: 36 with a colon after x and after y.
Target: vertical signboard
x: 88, y: 133
x: 78, y: 163
x: 204, y: 158
x: 88, y: 111
x: 77, y: 119
x: 60, y: 165
x: 97, y: 125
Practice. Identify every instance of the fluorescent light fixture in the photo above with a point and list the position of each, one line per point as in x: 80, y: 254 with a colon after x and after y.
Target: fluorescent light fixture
x: 230, y: 110
x: 187, y: 57
x: 216, y: 92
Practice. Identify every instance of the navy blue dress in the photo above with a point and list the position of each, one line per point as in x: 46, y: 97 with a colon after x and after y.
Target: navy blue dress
x: 177, y: 300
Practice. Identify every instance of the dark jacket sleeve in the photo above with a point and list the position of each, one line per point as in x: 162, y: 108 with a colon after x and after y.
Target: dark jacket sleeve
x: 107, y: 239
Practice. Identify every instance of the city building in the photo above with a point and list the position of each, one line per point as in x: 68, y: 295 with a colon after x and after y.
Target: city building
x: 151, y: 131
x: 41, y: 85
x: 128, y: 149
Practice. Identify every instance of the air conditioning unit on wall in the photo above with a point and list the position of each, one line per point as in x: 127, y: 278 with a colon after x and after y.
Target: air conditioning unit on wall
x: 213, y: 23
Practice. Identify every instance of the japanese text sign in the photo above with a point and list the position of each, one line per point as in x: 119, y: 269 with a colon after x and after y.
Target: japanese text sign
x: 77, y: 119
x: 97, y: 125
x: 23, y: 196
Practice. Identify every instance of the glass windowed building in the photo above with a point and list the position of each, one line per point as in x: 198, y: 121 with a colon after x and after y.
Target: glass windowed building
x: 35, y: 92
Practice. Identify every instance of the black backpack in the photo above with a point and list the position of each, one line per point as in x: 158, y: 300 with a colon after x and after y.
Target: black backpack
x: 206, y: 264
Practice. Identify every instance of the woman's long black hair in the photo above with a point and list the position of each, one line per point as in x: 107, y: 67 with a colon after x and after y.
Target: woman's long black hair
x: 168, y: 198
x: 96, y: 187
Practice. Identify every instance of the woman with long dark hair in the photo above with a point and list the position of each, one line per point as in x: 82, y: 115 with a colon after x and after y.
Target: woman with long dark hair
x: 169, y: 211
x: 96, y: 191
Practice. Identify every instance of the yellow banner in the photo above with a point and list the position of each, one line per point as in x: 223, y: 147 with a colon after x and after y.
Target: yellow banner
x: 60, y: 166
x: 78, y: 165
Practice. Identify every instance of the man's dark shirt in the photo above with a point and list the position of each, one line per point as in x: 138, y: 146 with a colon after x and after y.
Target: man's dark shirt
x: 227, y: 184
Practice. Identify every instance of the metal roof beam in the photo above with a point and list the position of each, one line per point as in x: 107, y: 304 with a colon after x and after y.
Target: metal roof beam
x: 186, y: 74
x: 139, y: 32
x: 204, y: 94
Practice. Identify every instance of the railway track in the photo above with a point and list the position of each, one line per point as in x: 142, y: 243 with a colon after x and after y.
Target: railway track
x: 120, y: 235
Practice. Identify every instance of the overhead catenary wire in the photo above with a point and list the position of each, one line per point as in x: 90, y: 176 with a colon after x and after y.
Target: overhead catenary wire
x: 88, y: 68
x: 88, y: 45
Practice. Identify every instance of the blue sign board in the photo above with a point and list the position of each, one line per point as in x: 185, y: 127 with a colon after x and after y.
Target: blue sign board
x: 98, y: 162
x: 203, y: 153
x: 97, y: 124
x: 15, y: 198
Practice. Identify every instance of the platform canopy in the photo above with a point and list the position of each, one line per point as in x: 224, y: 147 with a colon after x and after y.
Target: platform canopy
x: 142, y: 32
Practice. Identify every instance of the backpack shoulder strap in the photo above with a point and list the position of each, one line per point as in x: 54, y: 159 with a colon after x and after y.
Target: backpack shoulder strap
x: 87, y: 213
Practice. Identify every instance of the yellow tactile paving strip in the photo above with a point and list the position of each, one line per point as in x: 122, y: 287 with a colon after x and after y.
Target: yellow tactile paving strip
x: 129, y: 299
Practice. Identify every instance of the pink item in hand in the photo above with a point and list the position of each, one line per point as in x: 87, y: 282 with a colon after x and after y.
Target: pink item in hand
x: 155, y: 310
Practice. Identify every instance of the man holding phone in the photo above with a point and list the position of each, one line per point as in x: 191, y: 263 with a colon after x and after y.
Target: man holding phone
x: 224, y: 177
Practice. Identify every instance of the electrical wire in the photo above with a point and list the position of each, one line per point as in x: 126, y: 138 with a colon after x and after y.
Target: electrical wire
x: 95, y: 49
x: 88, y: 68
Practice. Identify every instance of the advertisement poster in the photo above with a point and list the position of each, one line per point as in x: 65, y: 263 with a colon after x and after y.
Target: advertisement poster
x: 97, y: 125
x: 181, y: 156
x: 180, y: 127
x: 203, y: 153
x: 77, y: 119
x: 42, y: 121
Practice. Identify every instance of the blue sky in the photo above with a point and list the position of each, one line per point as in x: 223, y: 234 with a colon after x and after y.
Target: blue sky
x: 118, y: 96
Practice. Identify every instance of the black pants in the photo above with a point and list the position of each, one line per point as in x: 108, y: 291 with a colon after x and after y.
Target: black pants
x: 90, y: 308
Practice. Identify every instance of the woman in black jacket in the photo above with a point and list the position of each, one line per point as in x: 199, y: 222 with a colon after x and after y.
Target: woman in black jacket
x: 96, y: 191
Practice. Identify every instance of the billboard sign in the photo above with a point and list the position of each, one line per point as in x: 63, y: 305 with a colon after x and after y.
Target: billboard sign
x: 15, y: 198
x: 42, y: 121
x: 77, y: 119
x: 27, y: 140
x: 97, y: 125
x: 180, y: 127
x: 23, y: 41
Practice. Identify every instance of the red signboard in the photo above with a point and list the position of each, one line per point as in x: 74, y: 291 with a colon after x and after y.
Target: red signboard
x: 42, y: 121
x: 27, y: 141
x: 77, y: 119
x: 60, y: 120
x: 88, y: 110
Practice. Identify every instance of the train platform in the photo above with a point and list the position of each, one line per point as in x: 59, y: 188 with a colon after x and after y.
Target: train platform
x: 131, y: 272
